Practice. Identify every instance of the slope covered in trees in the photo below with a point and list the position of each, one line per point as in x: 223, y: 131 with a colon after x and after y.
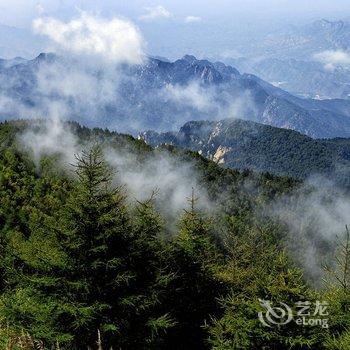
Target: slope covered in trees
x: 243, y: 144
x: 84, y: 265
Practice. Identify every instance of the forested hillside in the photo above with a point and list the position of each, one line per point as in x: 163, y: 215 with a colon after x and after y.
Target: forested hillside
x: 241, y: 144
x: 85, y: 264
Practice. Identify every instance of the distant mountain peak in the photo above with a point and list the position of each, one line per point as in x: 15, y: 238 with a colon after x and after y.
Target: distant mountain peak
x: 189, y: 58
x: 46, y: 56
x: 159, y: 95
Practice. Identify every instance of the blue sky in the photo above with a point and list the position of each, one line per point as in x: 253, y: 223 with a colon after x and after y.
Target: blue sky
x: 170, y: 27
x: 21, y: 12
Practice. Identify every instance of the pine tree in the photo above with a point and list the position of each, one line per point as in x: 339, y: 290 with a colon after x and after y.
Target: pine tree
x: 70, y: 270
x: 96, y: 235
x: 92, y: 266
x: 30, y: 255
x: 149, y: 322
x: 258, y: 270
x: 196, y: 262
x: 337, y: 282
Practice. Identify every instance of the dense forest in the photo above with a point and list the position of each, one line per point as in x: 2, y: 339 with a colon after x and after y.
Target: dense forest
x: 241, y: 144
x: 85, y: 266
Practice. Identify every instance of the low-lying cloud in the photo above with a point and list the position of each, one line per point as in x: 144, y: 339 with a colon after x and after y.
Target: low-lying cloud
x: 50, y: 137
x: 170, y: 178
x: 192, y: 94
x: 333, y: 58
x: 209, y: 102
x: 315, y: 215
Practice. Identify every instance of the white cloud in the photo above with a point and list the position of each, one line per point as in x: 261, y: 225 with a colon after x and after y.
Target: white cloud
x: 170, y: 179
x: 192, y: 94
x: 316, y: 215
x: 114, y: 40
x: 156, y: 12
x: 193, y: 19
x: 333, y: 58
x: 209, y: 102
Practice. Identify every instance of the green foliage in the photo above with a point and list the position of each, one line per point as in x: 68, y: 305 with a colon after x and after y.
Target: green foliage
x: 263, y: 148
x: 82, y: 265
x: 258, y: 270
x: 194, y: 291
x: 338, y: 296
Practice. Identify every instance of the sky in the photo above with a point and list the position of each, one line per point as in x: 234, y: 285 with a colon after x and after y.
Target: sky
x: 169, y: 27
x: 21, y: 12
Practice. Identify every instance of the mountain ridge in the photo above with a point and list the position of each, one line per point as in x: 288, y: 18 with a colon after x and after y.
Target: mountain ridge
x: 241, y: 144
x: 164, y: 95
x: 290, y: 58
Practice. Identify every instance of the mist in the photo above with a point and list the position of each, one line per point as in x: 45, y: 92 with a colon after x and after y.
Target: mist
x: 315, y: 216
x: 91, y: 78
x: 167, y: 178
x: 84, y: 81
x: 101, y: 76
x: 171, y: 180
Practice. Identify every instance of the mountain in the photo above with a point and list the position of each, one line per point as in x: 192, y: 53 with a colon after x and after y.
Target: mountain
x: 319, y: 35
x: 243, y: 144
x: 288, y: 58
x: 306, y: 78
x: 300, y: 41
x: 12, y: 62
x: 161, y: 95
